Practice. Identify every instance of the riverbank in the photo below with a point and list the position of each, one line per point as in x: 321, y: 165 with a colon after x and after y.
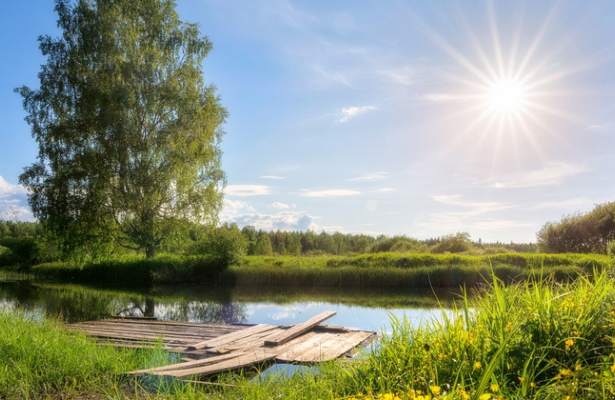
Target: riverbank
x: 542, y: 340
x: 382, y: 270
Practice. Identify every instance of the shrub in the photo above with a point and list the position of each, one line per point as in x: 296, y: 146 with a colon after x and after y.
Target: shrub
x: 457, y: 243
x: 226, y: 245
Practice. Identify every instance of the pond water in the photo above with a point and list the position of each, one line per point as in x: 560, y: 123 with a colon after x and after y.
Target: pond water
x: 356, y: 308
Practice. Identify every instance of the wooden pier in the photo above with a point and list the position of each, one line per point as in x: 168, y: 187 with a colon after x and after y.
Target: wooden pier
x: 213, y: 348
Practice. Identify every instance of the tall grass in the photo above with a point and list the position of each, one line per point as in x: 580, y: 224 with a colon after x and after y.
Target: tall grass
x: 41, y: 359
x: 390, y: 270
x: 537, y: 339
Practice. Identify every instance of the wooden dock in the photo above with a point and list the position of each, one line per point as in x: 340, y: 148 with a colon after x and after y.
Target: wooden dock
x: 213, y: 348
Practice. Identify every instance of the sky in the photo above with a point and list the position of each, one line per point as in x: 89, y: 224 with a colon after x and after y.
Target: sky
x: 383, y: 117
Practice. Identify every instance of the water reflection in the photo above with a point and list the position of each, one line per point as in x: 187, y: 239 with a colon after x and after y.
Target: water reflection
x: 365, y: 309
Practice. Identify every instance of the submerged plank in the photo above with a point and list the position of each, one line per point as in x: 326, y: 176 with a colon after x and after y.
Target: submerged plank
x: 299, y: 329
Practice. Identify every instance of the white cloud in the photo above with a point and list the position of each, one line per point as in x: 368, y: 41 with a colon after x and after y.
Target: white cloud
x: 370, y: 177
x: 244, y: 214
x: 13, y: 202
x: 330, y: 193
x: 404, y: 75
x: 348, y: 113
x: 572, y: 204
x: 231, y: 209
x: 278, y: 205
x: 441, y: 97
x: 385, y: 190
x: 9, y: 189
x: 272, y: 177
x: 553, y: 173
x: 470, y: 207
x: 246, y: 190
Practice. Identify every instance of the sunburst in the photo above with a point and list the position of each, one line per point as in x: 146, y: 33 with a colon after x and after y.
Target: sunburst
x: 504, y: 96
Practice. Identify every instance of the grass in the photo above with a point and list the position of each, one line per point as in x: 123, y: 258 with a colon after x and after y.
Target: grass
x: 133, y: 271
x: 536, y: 339
x: 384, y: 270
x: 40, y: 359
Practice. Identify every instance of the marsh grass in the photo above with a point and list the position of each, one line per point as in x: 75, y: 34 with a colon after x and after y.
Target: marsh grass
x: 390, y: 270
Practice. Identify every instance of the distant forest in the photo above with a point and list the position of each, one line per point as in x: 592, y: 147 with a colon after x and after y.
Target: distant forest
x: 592, y: 232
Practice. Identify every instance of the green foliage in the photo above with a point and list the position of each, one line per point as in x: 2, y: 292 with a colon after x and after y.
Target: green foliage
x: 225, y: 244
x: 263, y: 246
x: 397, y: 270
x: 457, y: 243
x: 128, y: 132
x: 134, y: 271
x: 610, y: 248
x: 583, y: 233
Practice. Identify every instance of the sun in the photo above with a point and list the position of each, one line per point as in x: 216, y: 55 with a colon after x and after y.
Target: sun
x: 506, y: 93
x: 506, y: 96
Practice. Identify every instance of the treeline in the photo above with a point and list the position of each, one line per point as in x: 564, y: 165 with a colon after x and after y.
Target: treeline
x: 259, y: 242
x: 228, y: 242
x: 592, y: 232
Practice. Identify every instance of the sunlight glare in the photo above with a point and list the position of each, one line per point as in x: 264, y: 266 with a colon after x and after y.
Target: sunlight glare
x: 506, y: 96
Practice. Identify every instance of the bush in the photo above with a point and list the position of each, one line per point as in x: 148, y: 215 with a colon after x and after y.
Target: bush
x: 226, y: 245
x: 457, y: 243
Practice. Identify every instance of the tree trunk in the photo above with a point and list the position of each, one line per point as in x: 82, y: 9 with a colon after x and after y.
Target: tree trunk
x: 150, y: 251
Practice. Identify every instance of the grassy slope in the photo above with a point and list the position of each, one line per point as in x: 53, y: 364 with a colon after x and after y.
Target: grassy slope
x: 41, y: 359
x: 540, y: 340
x: 368, y: 270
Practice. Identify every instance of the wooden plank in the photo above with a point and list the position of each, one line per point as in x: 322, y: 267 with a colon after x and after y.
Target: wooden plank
x: 118, y: 335
x: 188, y: 364
x: 133, y: 318
x: 242, y: 361
x: 230, y: 337
x: 247, y: 343
x: 299, y: 329
x: 161, y: 332
x: 329, y: 346
x: 179, y: 323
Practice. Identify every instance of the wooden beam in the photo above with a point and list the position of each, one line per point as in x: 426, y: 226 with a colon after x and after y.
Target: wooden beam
x: 244, y: 360
x: 299, y: 329
x: 231, y: 337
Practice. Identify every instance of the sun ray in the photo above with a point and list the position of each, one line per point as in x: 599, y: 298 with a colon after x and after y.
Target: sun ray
x: 495, y: 37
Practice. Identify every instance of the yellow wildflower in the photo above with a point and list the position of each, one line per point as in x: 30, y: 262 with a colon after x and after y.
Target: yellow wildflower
x: 494, y: 387
x: 613, y: 368
x: 477, y: 365
x: 565, y: 372
x: 435, y: 390
x: 533, y: 384
x: 485, y: 396
x: 463, y: 395
x: 569, y: 343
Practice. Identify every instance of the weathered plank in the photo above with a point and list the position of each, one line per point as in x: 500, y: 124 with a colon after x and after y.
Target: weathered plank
x: 188, y: 364
x: 245, y: 360
x: 325, y: 347
x: 231, y: 337
x: 299, y: 329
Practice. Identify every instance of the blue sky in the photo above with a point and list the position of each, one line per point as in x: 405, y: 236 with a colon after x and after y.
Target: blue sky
x: 396, y: 117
